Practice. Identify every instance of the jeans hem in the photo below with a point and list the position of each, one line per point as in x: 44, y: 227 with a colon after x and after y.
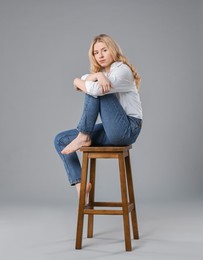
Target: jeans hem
x: 84, y: 131
x: 75, y: 182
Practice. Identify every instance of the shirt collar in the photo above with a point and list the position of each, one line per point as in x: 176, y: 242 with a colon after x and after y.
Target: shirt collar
x: 115, y: 65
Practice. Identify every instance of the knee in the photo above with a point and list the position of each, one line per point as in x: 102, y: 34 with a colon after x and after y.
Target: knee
x: 64, y: 138
x: 57, y: 139
x: 61, y: 139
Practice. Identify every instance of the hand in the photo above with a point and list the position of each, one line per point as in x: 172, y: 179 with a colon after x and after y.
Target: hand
x: 104, y: 82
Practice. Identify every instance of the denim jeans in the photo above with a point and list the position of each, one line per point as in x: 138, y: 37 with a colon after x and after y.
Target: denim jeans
x: 116, y: 129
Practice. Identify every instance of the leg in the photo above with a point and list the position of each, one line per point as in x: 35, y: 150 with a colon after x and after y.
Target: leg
x: 124, y: 202
x: 71, y: 161
x: 86, y: 125
x: 116, y: 128
x: 78, y: 244
x: 131, y: 196
x: 89, y: 115
x: 119, y: 128
x: 91, y: 199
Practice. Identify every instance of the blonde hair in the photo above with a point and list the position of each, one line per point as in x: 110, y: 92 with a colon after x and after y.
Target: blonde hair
x: 116, y: 53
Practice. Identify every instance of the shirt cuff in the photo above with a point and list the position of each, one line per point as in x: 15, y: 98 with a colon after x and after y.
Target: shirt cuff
x: 93, y: 88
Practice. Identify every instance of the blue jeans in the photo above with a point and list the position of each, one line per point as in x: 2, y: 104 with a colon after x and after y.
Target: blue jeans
x: 116, y: 129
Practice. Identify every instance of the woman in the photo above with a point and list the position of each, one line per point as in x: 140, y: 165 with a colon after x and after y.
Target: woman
x: 111, y: 91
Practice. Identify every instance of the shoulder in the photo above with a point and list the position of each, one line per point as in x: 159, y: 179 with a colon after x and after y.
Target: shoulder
x: 121, y: 69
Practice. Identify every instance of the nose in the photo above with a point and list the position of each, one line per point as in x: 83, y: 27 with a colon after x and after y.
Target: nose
x: 100, y: 54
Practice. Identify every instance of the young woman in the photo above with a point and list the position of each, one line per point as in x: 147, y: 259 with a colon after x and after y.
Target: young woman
x: 111, y: 91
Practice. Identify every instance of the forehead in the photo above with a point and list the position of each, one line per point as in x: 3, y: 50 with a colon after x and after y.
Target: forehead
x: 99, y: 46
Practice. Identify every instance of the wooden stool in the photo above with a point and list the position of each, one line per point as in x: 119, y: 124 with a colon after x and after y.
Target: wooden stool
x: 127, y: 193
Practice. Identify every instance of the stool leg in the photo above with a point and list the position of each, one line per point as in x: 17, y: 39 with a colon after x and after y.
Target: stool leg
x: 131, y: 197
x: 91, y: 198
x: 124, y: 202
x: 78, y: 244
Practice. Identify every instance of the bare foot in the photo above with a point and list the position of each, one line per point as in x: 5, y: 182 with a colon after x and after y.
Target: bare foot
x: 77, y: 143
x: 88, y: 189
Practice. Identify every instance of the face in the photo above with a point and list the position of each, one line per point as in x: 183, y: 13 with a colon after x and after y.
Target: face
x: 102, y: 55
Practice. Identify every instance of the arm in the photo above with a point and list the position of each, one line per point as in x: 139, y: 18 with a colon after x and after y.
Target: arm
x: 92, y: 77
x: 80, y: 85
x: 102, y: 83
x: 121, y: 80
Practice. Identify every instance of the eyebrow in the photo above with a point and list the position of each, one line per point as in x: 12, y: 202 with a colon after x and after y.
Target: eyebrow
x: 101, y: 49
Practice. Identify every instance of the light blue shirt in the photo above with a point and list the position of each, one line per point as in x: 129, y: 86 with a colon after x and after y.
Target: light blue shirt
x: 123, y: 84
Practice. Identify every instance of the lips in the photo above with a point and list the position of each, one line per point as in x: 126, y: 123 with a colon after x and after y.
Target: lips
x: 101, y: 61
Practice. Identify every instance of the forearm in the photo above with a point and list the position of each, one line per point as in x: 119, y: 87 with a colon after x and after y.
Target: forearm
x: 79, y: 84
x: 93, y: 77
x: 94, y: 84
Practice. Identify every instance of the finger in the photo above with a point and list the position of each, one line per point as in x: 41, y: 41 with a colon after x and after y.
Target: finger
x: 103, y: 90
x: 108, y: 85
x: 107, y: 88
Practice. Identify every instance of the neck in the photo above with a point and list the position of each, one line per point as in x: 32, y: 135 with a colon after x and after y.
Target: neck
x: 107, y: 69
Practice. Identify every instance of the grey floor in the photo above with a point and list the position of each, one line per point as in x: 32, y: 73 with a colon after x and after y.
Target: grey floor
x: 170, y: 231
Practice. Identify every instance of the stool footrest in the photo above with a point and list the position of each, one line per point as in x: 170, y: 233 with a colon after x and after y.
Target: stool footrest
x: 89, y: 209
x: 103, y: 212
x: 105, y: 204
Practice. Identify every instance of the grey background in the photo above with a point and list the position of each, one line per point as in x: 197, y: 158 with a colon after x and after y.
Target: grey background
x: 44, y: 45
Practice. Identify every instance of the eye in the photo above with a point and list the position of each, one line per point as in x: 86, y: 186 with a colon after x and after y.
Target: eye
x: 96, y: 52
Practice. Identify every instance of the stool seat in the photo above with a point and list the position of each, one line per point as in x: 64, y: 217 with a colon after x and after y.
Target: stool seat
x: 127, y: 205
x: 105, y: 148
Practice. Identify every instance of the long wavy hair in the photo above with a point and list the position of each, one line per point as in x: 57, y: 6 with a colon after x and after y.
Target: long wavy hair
x: 116, y: 53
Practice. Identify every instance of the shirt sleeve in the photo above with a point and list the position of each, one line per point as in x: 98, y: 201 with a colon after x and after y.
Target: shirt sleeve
x: 121, y: 79
x: 84, y: 76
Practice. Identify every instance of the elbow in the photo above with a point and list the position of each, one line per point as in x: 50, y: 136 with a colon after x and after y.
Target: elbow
x: 75, y: 81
